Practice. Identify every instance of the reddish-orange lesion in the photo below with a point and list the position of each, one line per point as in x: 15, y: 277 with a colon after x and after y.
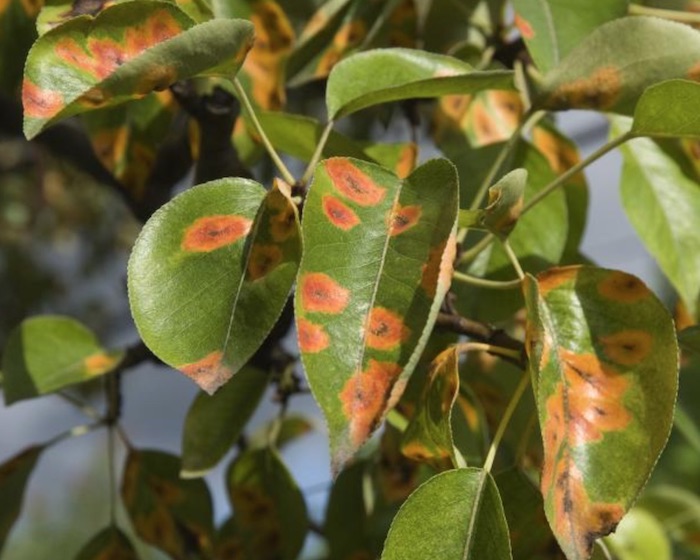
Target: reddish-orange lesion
x: 209, y: 373
x: 629, y: 347
x: 524, y: 27
x: 402, y: 218
x: 263, y: 260
x: 385, y: 329
x: 40, y: 103
x: 98, y: 363
x: 554, y: 278
x: 339, y: 214
x: 437, y: 271
x: 623, y: 287
x: 599, y: 91
x: 312, y: 337
x: 407, y: 160
x: 213, y: 232
x: 353, y: 183
x: 319, y: 293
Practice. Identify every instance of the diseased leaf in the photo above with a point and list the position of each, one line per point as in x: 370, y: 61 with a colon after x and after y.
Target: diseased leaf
x: 270, y: 510
x: 668, y: 109
x: 611, y: 68
x: 552, y: 28
x: 362, y: 80
x: 369, y: 290
x: 210, y: 274
x: 127, y: 51
x: 604, y: 361
x: 506, y: 199
x: 14, y: 476
x: 46, y: 353
x: 456, y: 514
x: 109, y: 544
x: 214, y: 423
x: 167, y: 512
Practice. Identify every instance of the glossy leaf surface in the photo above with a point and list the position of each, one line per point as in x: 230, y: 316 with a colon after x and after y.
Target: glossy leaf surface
x: 369, y: 287
x: 668, y: 109
x: 383, y: 75
x: 167, y: 512
x: 604, y: 363
x: 125, y: 52
x: 470, y: 523
x: 108, y: 544
x: 46, y: 353
x: 210, y: 274
x: 611, y: 68
x: 214, y: 423
x: 270, y: 509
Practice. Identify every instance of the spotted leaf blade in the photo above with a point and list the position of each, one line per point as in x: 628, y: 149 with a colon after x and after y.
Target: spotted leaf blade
x: 125, y: 52
x: 604, y: 361
x: 47, y: 353
x: 377, y: 266
x: 108, y: 544
x: 506, y: 199
x: 611, y: 68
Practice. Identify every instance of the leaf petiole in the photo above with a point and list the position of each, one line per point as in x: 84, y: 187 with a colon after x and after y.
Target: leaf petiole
x: 513, y: 259
x: 318, y: 153
x: 485, y: 283
x: 672, y: 15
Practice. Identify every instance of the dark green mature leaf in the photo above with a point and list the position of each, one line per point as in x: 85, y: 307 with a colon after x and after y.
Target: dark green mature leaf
x: 125, y: 52
x: 383, y: 75
x: 455, y: 515
x: 604, y: 362
x: 506, y: 199
x: 214, y: 423
x: 270, y: 510
x: 552, y: 28
x: 611, y: 68
x: 369, y: 290
x: 639, y: 536
x: 205, y: 292
x: 167, y: 512
x: 678, y: 510
x: 663, y: 203
x: 108, y: 544
x: 668, y: 109
x: 46, y: 353
x: 17, y: 33
x: 14, y: 476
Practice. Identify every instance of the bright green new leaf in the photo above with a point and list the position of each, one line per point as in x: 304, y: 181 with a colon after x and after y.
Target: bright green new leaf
x: 552, y: 28
x: 668, y: 109
x: 662, y: 202
x: 14, y: 476
x: 270, y: 510
x: 604, y: 361
x: 369, y: 288
x: 470, y: 218
x: 210, y: 274
x: 506, y: 199
x: 610, y: 69
x: 383, y: 75
x: 639, y: 536
x: 167, y: 512
x: 108, y: 544
x: 214, y: 423
x: 47, y: 353
x: 456, y: 515
x: 125, y: 52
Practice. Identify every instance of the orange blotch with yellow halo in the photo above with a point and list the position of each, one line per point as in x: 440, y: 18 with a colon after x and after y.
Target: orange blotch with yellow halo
x: 622, y: 287
x: 312, y: 338
x: 263, y: 259
x: 353, y: 183
x: 209, y: 373
x: 321, y: 294
x: 340, y: 215
x: 402, y: 218
x: 40, y: 103
x: 385, y: 329
x: 213, y: 232
x: 627, y: 348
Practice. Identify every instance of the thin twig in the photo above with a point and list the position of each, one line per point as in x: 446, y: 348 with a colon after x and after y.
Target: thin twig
x: 485, y: 283
x: 673, y: 15
x: 513, y: 259
x: 318, y: 153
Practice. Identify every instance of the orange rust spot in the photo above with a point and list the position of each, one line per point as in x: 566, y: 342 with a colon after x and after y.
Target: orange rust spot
x: 40, y: 103
x: 486, y: 129
x: 600, y: 91
x: 107, y: 56
x: 386, y: 329
x: 365, y: 396
x: 209, y: 372
x: 353, y: 183
x: 437, y: 272
x: 407, y: 160
x: 213, y: 232
x: 554, y: 278
x: 694, y: 72
x: 99, y: 363
x: 321, y: 294
x: 157, y: 78
x: 623, y: 287
x: 263, y: 259
x: 283, y: 216
x: 627, y: 347
x: 157, y: 526
x: 560, y: 155
x: 402, y: 218
x: 340, y: 215
x: 524, y: 27
x: 312, y: 338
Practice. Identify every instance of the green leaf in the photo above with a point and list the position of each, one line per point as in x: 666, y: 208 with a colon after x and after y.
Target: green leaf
x: 14, y: 476
x: 384, y: 75
x: 291, y: 428
x: 689, y: 339
x: 639, y: 536
x: 167, y: 512
x: 125, y: 52
x: 270, y: 510
x: 678, y: 510
x: 611, y: 68
x: 47, y: 353
x: 455, y: 515
x: 205, y: 292
x: 604, y: 361
x: 506, y: 199
x: 662, y: 203
x: 214, y: 423
x: 108, y: 544
x: 369, y: 289
x: 552, y: 28
x: 668, y: 109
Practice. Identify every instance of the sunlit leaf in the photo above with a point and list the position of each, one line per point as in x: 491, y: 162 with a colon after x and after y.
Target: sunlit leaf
x: 214, y: 423
x: 46, y: 353
x: 270, y: 509
x: 125, y: 52
x: 506, y: 199
x: 456, y: 514
x: 108, y: 544
x: 668, y: 109
x: 210, y: 274
x: 369, y: 291
x: 167, y: 512
x: 361, y: 80
x: 639, y: 536
x: 604, y: 362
